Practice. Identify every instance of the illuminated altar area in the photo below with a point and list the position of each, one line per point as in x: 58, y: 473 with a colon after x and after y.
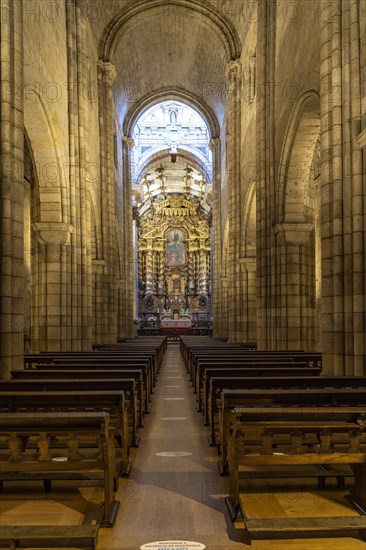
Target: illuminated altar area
x: 174, y: 267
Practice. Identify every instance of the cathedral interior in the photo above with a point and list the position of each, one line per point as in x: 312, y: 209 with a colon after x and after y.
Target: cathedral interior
x: 177, y: 174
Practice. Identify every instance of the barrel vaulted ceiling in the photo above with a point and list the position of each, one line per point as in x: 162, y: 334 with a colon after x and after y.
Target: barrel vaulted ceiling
x: 178, y: 46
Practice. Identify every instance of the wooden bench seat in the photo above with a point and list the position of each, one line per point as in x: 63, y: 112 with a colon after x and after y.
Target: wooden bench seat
x: 49, y: 536
x: 259, y: 370
x: 215, y: 384
x: 313, y: 359
x: 96, y: 361
x: 326, y: 435
x: 77, y: 374
x: 69, y: 364
x: 111, y: 401
x: 279, y: 361
x: 125, y: 385
x: 49, y: 443
x: 330, y: 435
x: 275, y: 399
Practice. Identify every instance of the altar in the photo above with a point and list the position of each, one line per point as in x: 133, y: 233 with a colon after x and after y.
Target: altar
x: 176, y: 323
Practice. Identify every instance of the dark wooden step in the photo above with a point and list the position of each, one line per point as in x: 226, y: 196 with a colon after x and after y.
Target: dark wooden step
x: 49, y: 536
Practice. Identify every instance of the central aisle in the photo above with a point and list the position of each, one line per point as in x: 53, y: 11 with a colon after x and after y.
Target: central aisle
x: 172, y: 497
x: 182, y: 497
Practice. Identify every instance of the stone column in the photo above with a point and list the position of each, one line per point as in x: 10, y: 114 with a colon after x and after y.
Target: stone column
x: 11, y: 188
x: 77, y: 269
x: 216, y: 243
x: 51, y: 329
x: 249, y: 285
x: 106, y: 314
x: 343, y: 222
x: 296, y: 286
x: 266, y: 183
x: 233, y: 146
x: 129, y: 257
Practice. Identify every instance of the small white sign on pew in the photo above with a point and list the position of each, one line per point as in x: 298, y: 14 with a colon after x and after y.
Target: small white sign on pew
x: 173, y: 545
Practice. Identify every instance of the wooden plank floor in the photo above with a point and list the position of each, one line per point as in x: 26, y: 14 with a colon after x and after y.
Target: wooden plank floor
x: 166, y: 497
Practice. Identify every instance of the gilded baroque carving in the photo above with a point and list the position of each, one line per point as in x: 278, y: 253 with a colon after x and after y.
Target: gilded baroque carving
x: 174, y: 255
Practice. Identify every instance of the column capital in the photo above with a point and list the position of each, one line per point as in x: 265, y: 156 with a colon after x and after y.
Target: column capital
x: 293, y: 233
x: 107, y: 71
x: 249, y: 263
x: 53, y: 233
x: 214, y: 143
x: 128, y: 142
x: 233, y: 69
x: 361, y: 139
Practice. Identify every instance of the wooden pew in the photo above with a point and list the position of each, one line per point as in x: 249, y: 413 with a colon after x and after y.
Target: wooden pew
x: 255, y: 357
x: 299, y: 399
x: 107, y: 365
x: 111, y: 401
x: 330, y: 435
x: 127, y: 386
x: 217, y: 381
x: 76, y: 374
x: 95, y: 359
x: 260, y: 368
x: 47, y: 444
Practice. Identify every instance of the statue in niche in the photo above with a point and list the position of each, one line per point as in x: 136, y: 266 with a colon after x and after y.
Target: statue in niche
x: 176, y: 253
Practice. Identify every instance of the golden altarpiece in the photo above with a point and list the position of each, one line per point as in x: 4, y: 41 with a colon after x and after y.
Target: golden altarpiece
x: 174, y: 266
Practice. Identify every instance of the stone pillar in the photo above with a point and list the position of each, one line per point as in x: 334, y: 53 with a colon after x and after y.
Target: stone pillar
x: 11, y: 188
x: 106, y: 315
x: 296, y: 286
x: 266, y: 183
x: 129, y: 256
x: 249, y: 286
x: 52, y: 327
x: 76, y: 287
x: 343, y: 182
x: 233, y: 146
x: 216, y: 243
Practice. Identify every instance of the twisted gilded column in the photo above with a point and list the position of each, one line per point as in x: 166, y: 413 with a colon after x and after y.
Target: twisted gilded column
x: 202, y: 269
x: 191, y: 280
x: 149, y: 272
x: 161, y: 274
